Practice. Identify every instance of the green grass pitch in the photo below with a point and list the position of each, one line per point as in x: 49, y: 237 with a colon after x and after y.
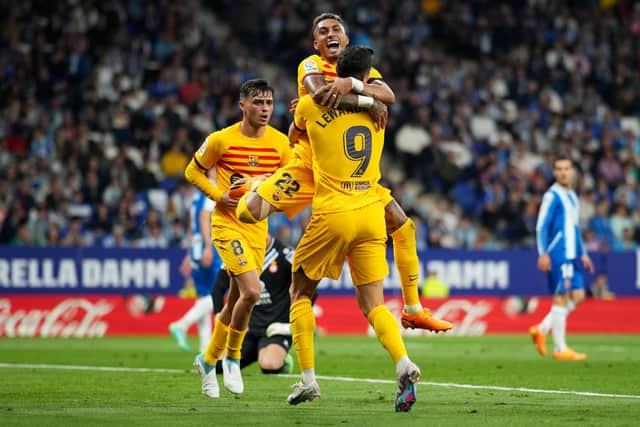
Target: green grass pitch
x: 534, y: 388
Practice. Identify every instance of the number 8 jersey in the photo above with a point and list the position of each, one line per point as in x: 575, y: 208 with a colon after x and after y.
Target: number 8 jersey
x: 346, y: 155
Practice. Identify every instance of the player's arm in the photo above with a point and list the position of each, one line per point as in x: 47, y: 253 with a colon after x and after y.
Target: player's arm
x: 296, y: 131
x: 542, y: 232
x: 196, y: 172
x: 316, y: 85
x: 379, y: 90
x: 340, y: 93
x: 582, y: 252
x: 342, y: 86
x: 185, y: 265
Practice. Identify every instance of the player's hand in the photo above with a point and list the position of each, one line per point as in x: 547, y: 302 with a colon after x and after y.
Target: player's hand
x: 380, y: 114
x: 292, y: 105
x: 337, y: 89
x: 294, y: 134
x: 544, y: 263
x: 328, y: 96
x: 228, y: 202
x: 586, y: 262
x: 185, y: 266
x: 207, y: 257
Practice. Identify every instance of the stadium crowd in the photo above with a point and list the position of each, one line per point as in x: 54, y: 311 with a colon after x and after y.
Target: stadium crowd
x: 103, y: 102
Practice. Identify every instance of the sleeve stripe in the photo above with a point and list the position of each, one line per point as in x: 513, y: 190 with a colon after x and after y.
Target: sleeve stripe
x: 199, y: 165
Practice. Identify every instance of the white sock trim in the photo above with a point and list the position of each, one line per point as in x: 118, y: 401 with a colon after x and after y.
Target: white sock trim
x: 308, y: 376
x: 402, y: 364
x: 413, y: 308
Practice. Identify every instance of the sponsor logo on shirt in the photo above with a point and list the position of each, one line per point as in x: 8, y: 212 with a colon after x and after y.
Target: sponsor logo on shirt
x: 310, y: 65
x: 203, y: 148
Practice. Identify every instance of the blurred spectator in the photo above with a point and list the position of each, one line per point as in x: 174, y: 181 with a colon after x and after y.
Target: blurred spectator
x: 174, y: 161
x: 620, y: 221
x: 117, y: 239
x: 433, y: 287
x: 600, y: 223
x: 466, y: 233
x: 101, y: 222
x: 74, y: 235
x: 52, y: 235
x: 626, y: 242
x: 600, y: 288
x: 484, y: 97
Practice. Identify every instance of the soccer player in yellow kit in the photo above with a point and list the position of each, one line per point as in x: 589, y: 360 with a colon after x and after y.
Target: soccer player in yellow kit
x: 291, y: 189
x: 243, y: 150
x: 347, y: 223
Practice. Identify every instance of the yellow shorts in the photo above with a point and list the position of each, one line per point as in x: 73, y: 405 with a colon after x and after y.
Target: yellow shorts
x: 290, y: 189
x: 236, y: 253
x: 385, y: 195
x: 331, y: 238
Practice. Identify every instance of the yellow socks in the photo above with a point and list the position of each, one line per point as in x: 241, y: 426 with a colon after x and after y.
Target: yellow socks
x: 234, y: 343
x: 404, y: 252
x: 388, y: 332
x: 303, y: 326
x: 217, y: 343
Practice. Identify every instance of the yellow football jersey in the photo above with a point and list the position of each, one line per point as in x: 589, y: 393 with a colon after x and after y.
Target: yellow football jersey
x: 314, y: 64
x: 346, y: 155
x: 238, y: 156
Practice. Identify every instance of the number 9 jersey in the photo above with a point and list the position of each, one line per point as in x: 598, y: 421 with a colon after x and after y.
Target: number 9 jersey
x: 346, y: 155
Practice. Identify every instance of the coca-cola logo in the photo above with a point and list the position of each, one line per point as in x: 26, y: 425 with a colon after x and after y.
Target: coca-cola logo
x: 465, y: 315
x: 72, y: 317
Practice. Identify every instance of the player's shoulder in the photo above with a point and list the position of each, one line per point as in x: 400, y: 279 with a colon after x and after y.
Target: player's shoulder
x: 223, y: 133
x: 549, y: 195
x: 311, y: 64
x: 305, y: 102
x: 275, y: 135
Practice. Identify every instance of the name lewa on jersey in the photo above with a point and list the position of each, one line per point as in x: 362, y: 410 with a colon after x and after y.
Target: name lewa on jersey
x: 250, y: 160
x: 333, y: 114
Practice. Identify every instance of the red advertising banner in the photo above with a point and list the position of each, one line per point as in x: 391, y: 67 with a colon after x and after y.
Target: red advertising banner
x: 95, y: 316
x: 88, y: 316
x: 491, y: 315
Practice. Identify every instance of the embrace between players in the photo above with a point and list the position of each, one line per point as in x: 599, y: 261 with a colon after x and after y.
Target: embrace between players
x: 337, y: 137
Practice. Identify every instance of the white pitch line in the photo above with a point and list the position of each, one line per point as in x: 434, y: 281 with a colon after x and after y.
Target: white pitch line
x: 89, y: 368
x: 322, y: 377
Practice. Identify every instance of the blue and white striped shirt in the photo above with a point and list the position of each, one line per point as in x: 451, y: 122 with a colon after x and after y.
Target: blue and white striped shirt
x: 199, y: 202
x: 558, y: 229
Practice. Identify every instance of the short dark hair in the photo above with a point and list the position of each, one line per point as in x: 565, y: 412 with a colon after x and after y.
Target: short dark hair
x: 322, y: 17
x: 354, y: 61
x: 561, y: 157
x: 255, y: 87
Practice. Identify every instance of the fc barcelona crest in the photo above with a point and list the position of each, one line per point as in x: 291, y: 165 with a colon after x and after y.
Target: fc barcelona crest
x: 253, y: 160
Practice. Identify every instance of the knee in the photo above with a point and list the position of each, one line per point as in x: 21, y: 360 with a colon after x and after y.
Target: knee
x: 270, y: 365
x: 251, y: 295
